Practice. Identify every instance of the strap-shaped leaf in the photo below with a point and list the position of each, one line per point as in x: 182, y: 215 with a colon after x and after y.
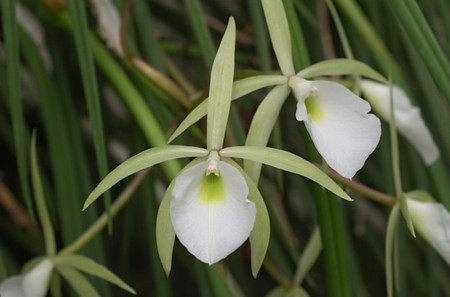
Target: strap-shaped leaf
x: 279, y: 34
x: 140, y: 161
x: 221, y: 84
x: 240, y: 88
x: 89, y: 266
x: 165, y: 234
x: 77, y: 281
x: 285, y: 161
x: 341, y: 67
x: 262, y: 125
x: 260, y: 235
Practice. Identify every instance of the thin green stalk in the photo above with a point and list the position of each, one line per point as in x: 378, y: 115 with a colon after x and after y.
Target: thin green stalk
x: 86, y: 62
x: 13, y: 89
x: 44, y: 217
x: 389, y: 245
x: 101, y: 222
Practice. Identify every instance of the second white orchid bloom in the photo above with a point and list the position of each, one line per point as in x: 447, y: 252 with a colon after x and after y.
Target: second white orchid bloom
x: 32, y: 284
x: 408, y: 120
x: 432, y: 220
x: 210, y: 211
x: 339, y: 123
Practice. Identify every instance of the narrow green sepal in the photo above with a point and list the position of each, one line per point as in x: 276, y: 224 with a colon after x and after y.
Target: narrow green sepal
x: 221, y: 84
x: 240, y: 88
x: 141, y: 161
x: 405, y: 213
x: 165, y: 233
x: 279, y: 34
x: 285, y: 161
x: 260, y: 235
x: 89, y: 266
x: 341, y: 67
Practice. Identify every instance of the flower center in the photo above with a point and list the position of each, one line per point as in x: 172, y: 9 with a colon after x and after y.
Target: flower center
x: 313, y: 106
x: 212, y: 189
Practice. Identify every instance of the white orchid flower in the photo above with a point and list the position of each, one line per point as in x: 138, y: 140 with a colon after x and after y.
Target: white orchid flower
x: 339, y: 123
x: 432, y: 220
x: 210, y: 212
x: 32, y: 284
x: 408, y: 120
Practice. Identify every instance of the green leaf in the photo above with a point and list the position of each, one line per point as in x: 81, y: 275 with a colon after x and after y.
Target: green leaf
x: 44, y: 217
x: 220, y: 89
x: 77, y: 281
x: 165, y: 234
x: 89, y: 266
x: 12, y: 87
x: 78, y: 17
x: 283, y: 292
x: 279, y: 34
x: 285, y: 161
x: 341, y: 67
x: 140, y: 161
x: 240, y: 88
x: 260, y: 235
x: 262, y: 125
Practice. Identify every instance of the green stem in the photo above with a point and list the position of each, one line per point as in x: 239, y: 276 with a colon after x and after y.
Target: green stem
x: 101, y: 222
x: 390, y: 236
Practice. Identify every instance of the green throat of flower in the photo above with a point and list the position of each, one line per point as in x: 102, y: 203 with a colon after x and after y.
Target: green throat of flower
x: 313, y: 106
x: 212, y: 189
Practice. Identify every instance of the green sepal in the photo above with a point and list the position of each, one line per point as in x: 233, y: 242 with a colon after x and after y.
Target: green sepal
x: 341, y: 67
x: 285, y: 161
x: 262, y: 125
x: 77, y: 281
x: 405, y: 213
x: 279, y: 34
x: 141, y: 161
x: 221, y: 85
x: 89, y: 266
x: 260, y: 234
x: 420, y: 195
x: 240, y: 88
x: 165, y: 234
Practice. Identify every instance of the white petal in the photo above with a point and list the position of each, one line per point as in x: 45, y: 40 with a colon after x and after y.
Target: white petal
x: 408, y: 120
x: 211, y: 226
x: 343, y: 131
x: 12, y: 287
x: 432, y: 220
x: 35, y: 282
